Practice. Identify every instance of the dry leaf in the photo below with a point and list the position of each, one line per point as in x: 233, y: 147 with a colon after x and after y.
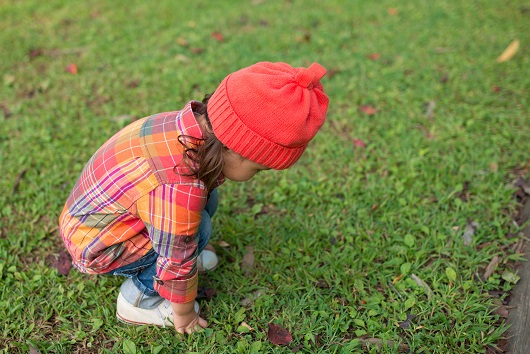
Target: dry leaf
x: 368, y: 110
x: 63, y: 262
x: 359, y: 143
x: 374, y: 56
x: 244, y: 324
x: 223, y: 244
x: 490, y: 269
x: 183, y: 42
x: 72, y: 69
x: 279, y: 335
x: 197, y: 50
x: 392, y: 11
x: 501, y: 311
x: 248, y: 261
x: 423, y: 284
x: 406, y: 324
x: 509, y: 52
x: 469, y: 232
x: 218, y: 36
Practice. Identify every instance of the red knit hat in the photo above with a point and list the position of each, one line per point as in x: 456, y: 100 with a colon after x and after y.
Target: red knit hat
x: 268, y: 112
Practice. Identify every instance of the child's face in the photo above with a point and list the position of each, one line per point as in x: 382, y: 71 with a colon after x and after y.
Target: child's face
x: 239, y: 169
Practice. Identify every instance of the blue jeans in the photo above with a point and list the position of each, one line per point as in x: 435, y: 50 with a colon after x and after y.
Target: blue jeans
x: 143, y: 270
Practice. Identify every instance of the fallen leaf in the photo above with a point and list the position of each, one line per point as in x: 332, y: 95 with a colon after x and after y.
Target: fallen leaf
x: 332, y: 72
x: 244, y: 324
x: 469, y: 232
x: 205, y: 293
x: 250, y: 299
x: 359, y: 143
x: 71, y: 68
x: 392, y: 11
x: 501, y: 311
x: 63, y: 262
x: 509, y: 52
x: 34, y: 53
x: 218, y: 36
x: 182, y: 58
x: 406, y: 324
x: 133, y: 84
x: 490, y: 269
x: 247, y: 265
x: 183, y: 42
x: 33, y: 350
x: 223, y: 244
x: 510, y: 277
x: 374, y: 56
x: 423, y: 284
x: 278, y: 335
x: 368, y: 110
x: 197, y: 50
x: 429, y: 110
x: 297, y: 348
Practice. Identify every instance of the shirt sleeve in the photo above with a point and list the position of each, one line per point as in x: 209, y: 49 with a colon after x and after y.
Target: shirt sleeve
x: 172, y: 215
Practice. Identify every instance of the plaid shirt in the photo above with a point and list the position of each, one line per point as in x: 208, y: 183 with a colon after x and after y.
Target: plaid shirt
x: 130, y: 198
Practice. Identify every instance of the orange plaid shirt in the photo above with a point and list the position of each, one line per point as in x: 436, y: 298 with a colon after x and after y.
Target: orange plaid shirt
x: 132, y: 196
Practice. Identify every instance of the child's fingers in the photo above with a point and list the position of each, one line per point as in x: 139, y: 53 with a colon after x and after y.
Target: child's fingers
x: 203, y: 323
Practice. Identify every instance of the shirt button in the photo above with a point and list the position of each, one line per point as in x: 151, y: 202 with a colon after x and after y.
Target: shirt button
x: 187, y: 239
x: 159, y: 281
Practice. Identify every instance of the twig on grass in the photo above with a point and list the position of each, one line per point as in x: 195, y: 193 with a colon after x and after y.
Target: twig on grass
x: 423, y: 284
x: 18, y: 180
x: 396, y: 291
x: 490, y: 269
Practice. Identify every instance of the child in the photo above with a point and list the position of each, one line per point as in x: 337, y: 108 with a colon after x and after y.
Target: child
x: 143, y: 204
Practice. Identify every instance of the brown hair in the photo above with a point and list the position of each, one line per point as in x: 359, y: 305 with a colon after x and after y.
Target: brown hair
x: 203, y: 157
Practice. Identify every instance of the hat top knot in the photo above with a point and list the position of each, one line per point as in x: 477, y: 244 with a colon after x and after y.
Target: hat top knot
x: 310, y: 76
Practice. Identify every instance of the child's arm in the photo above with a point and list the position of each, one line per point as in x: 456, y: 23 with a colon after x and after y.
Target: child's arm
x: 185, y: 319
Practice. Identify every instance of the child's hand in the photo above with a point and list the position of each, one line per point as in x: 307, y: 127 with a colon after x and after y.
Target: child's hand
x: 185, y: 319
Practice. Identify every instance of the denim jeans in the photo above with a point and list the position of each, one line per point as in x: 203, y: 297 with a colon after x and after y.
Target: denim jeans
x: 139, y: 289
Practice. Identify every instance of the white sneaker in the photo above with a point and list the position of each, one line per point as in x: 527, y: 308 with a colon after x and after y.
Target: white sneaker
x: 159, y: 316
x: 207, y: 261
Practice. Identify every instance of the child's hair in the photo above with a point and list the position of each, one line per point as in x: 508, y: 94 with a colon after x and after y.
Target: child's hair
x: 203, y: 157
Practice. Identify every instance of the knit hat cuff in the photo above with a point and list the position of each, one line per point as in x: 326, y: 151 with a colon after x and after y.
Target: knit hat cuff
x: 235, y: 135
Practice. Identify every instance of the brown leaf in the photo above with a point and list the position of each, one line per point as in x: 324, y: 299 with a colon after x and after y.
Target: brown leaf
x: 218, y: 36
x: 197, y: 50
x: 392, y: 11
x: 72, y: 69
x: 374, y: 56
x: 490, y: 269
x: 368, y: 110
x: 63, y: 262
x: 183, y: 42
x: 33, y: 350
x: 278, y: 335
x: 248, y: 261
x: 332, y: 72
x: 509, y: 52
x: 501, y: 311
x: 35, y: 53
x: 406, y: 324
x: 205, y: 293
x: 359, y: 143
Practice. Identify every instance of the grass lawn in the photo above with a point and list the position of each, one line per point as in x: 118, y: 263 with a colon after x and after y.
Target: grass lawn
x: 357, y: 248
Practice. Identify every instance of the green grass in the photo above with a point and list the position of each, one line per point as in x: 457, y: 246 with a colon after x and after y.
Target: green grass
x: 329, y: 235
